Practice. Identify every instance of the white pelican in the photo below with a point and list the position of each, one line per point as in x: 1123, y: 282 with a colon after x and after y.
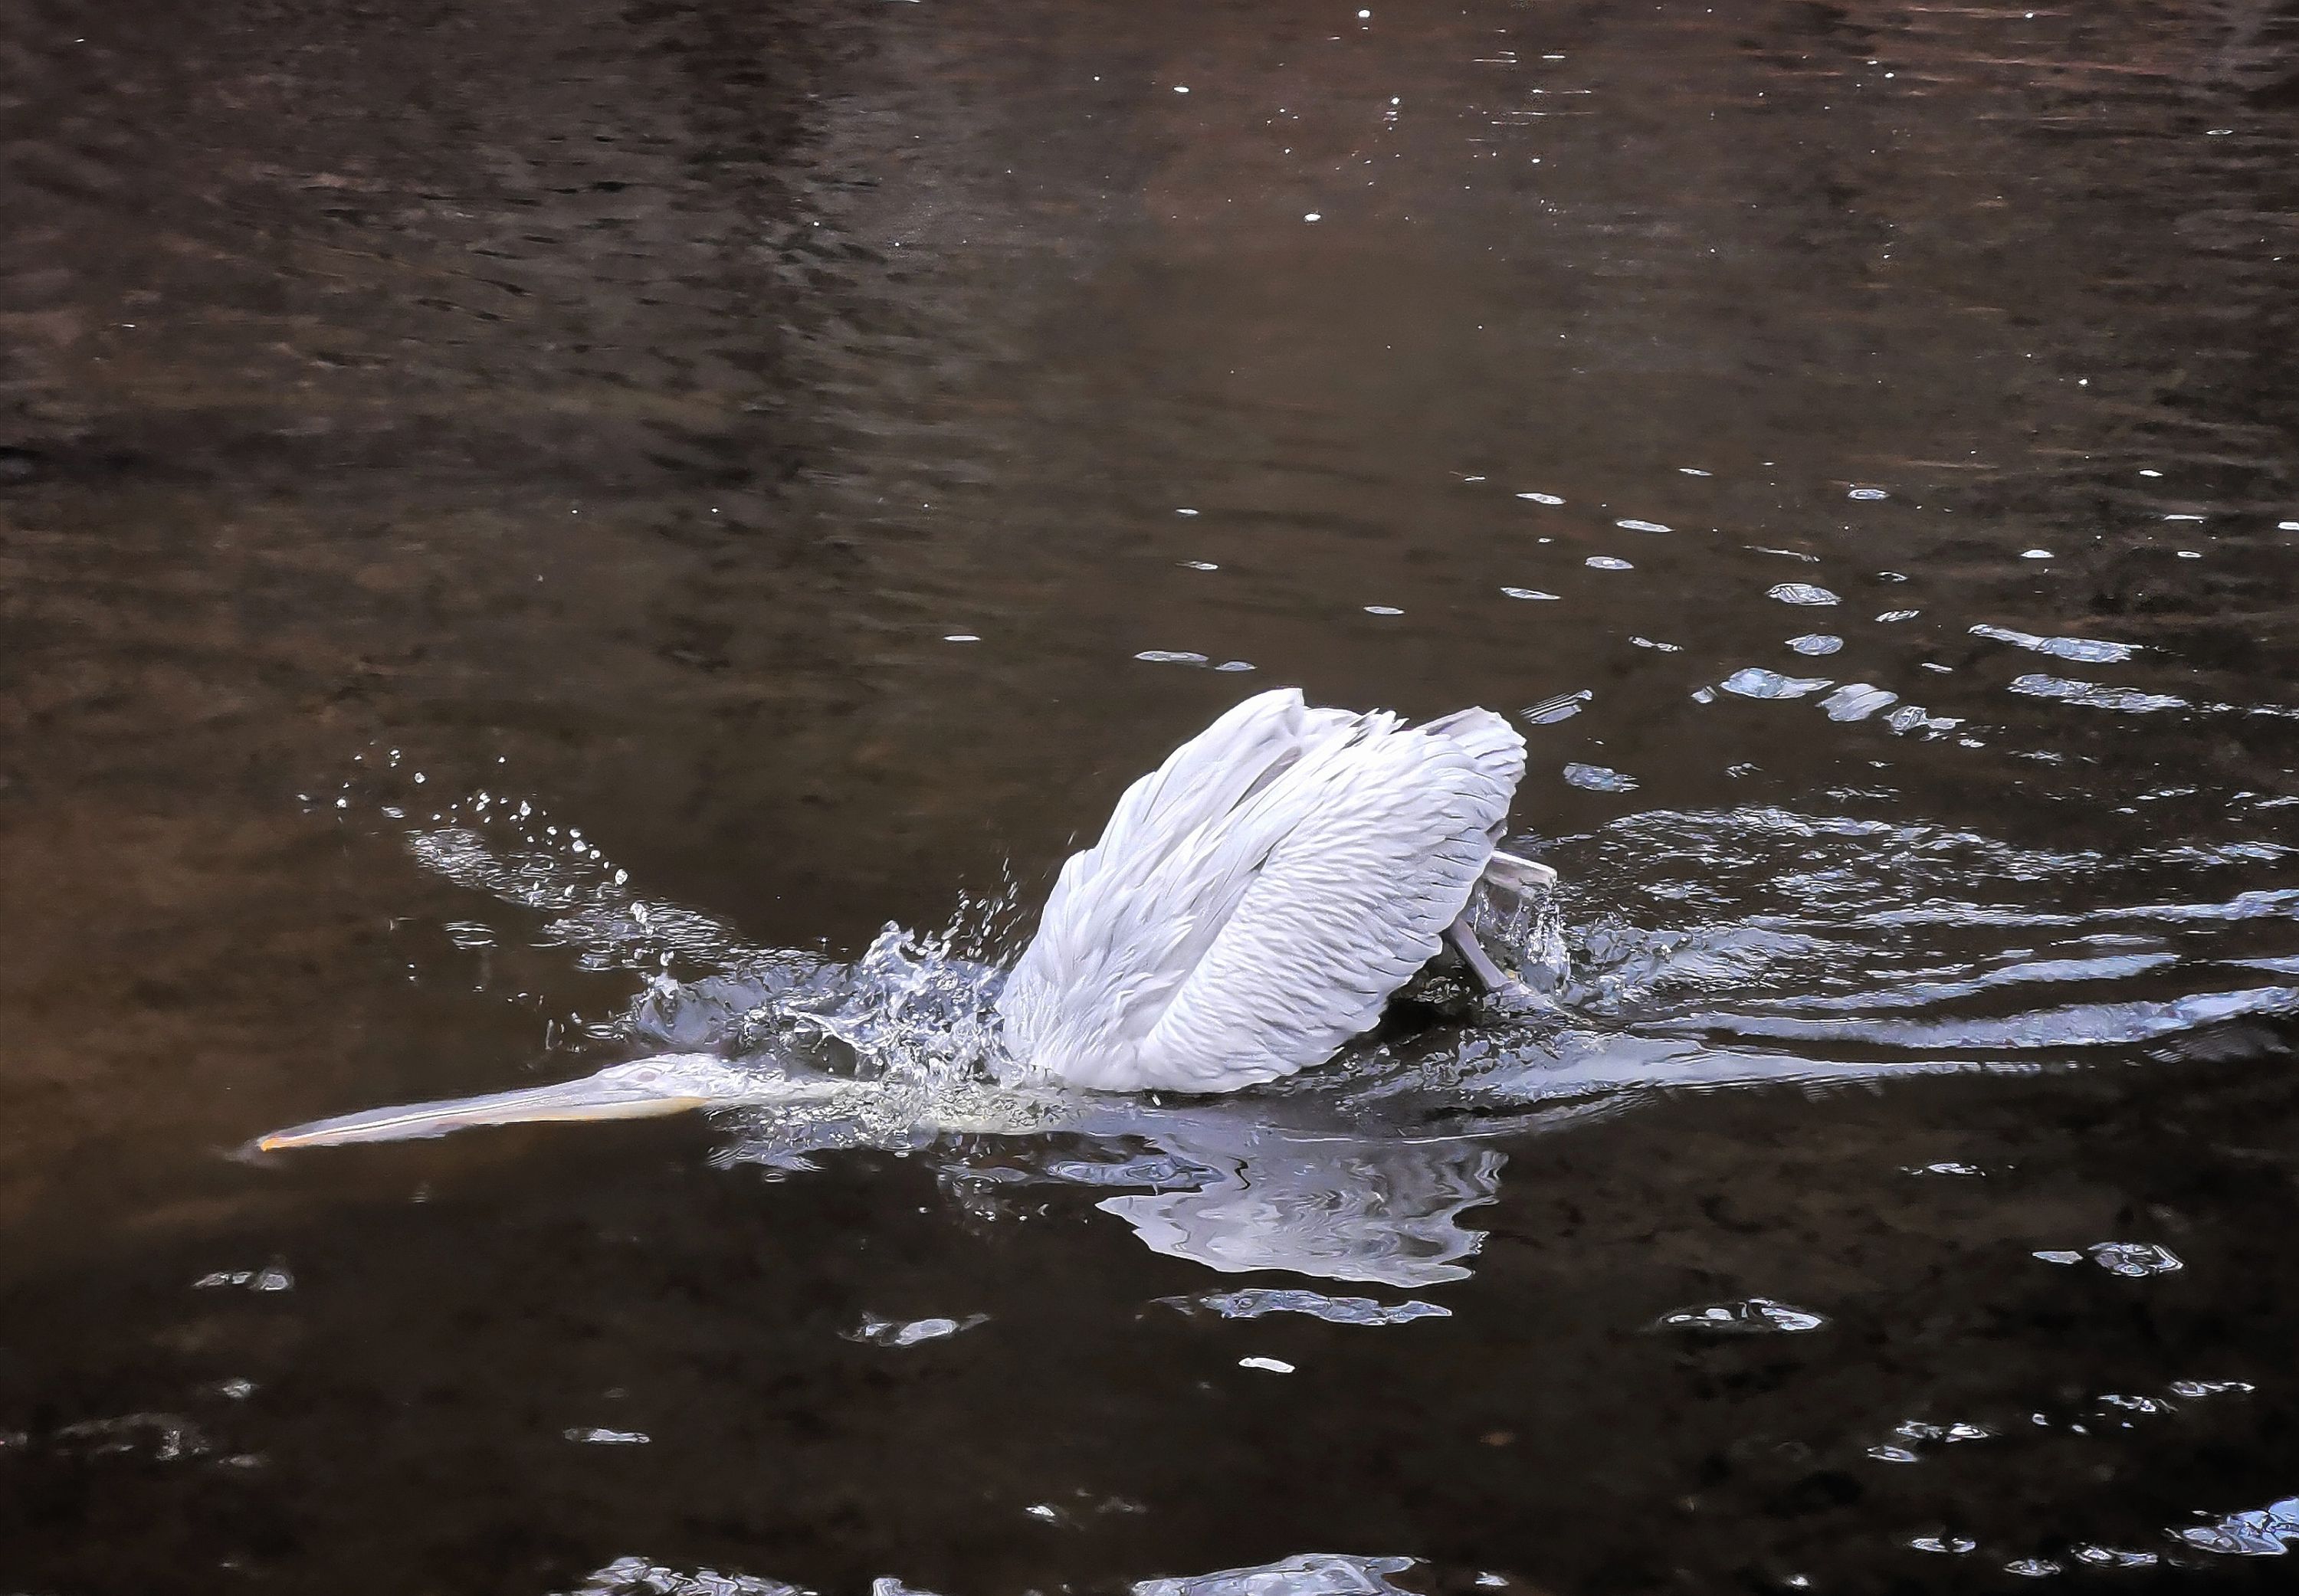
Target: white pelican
x: 1256, y: 899
x: 1252, y: 905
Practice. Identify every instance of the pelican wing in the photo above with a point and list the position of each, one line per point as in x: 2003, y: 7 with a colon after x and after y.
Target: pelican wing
x: 1255, y: 902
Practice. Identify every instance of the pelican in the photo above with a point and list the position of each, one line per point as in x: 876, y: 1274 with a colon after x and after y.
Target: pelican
x: 1252, y: 905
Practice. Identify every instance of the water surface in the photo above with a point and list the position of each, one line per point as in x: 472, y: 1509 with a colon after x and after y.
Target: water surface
x: 529, y: 534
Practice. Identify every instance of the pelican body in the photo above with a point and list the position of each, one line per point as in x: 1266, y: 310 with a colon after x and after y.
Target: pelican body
x: 1252, y: 905
x: 1256, y: 899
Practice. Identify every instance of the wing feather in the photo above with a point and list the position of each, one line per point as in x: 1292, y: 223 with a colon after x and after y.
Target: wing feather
x: 1255, y: 901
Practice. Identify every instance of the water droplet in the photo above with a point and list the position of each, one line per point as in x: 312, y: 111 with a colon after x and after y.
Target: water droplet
x: 1801, y: 593
x: 2095, y: 697
x: 2134, y: 1259
x: 2089, y: 650
x: 1597, y: 778
x: 1755, y: 1315
x: 1857, y: 701
x: 1756, y: 683
x: 888, y: 1332
x: 1562, y: 707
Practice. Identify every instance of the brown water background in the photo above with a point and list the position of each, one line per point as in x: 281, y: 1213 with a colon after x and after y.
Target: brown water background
x: 620, y: 408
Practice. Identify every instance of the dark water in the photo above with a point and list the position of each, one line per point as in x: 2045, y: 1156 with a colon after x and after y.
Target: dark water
x: 619, y: 410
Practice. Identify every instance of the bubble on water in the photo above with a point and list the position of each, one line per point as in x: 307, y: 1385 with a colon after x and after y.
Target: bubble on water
x: 1754, y: 682
x: 1801, y: 593
x: 1870, y: 494
x: 1260, y: 1302
x: 1606, y: 562
x: 2093, y: 696
x: 1815, y: 642
x: 1528, y: 592
x: 1695, y: 471
x: 1550, y: 499
x: 1311, y: 216
x: 875, y: 1331
x: 961, y: 637
x: 1185, y: 510
x: 2035, y: 554
x: 2086, y: 650
x: 1170, y: 657
x: 1598, y: 778
x: 1234, y: 666
x: 1892, y: 1454
x: 1382, y: 610
x: 1857, y: 701
x: 1630, y: 524
x: 1752, y: 1316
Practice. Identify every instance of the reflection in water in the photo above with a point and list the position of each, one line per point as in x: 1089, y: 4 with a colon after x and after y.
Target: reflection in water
x: 1329, y: 1209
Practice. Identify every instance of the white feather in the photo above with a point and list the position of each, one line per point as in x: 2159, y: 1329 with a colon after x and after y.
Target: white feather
x: 1255, y: 901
